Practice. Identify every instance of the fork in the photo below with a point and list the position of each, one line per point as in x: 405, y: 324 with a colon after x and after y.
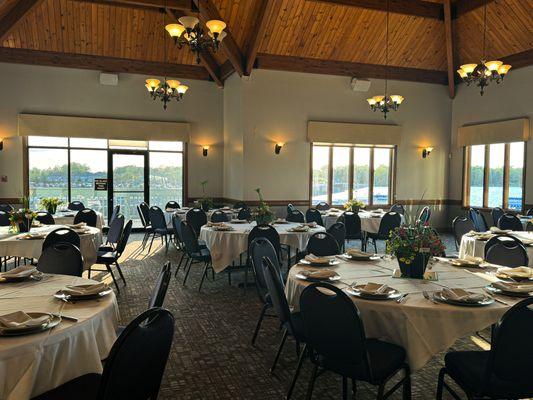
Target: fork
x: 428, y: 297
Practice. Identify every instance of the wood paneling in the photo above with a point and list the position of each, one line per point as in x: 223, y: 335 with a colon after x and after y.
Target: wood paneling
x: 449, y: 47
x: 419, y: 8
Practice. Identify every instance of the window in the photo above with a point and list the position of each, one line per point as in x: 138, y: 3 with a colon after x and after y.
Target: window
x: 346, y: 172
x: 494, y: 175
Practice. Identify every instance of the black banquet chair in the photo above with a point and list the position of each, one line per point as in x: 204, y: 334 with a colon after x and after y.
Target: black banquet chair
x: 219, y: 216
x: 496, y: 214
x: 504, y: 371
x: 61, y: 258
x: 399, y: 208
x: 507, y: 251
x: 322, y: 206
x: 195, y: 253
x: 262, y: 231
x: 240, y: 204
x: 197, y: 218
x: 172, y: 205
x: 338, y: 231
x: 86, y: 215
x: 295, y: 216
x: 144, y: 215
x: 4, y: 218
x: 352, y: 224
x: 45, y: 218
x: 114, y: 214
x: 510, y: 221
x: 390, y: 221
x: 529, y: 212
x: 135, y: 365
x: 322, y: 244
x: 244, y: 214
x: 75, y: 205
x: 61, y: 235
x: 114, y: 233
x: 313, y: 215
x: 478, y: 220
x: 7, y: 208
x: 159, y: 227
x: 461, y: 225
x: 335, y: 337
x: 425, y: 215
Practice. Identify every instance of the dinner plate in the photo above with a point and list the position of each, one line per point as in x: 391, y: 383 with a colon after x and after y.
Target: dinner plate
x: 356, y: 291
x: 485, y: 302
x: 465, y: 263
x: 314, y: 264
x: 36, y: 275
x: 496, y: 290
x: 238, y: 221
x: 53, y: 321
x: 312, y: 279
x: 65, y: 296
x: 223, y: 229
x: 359, y: 258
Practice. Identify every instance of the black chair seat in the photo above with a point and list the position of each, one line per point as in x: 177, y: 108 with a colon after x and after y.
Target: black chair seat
x: 202, y: 255
x: 84, y: 387
x: 105, y: 248
x: 377, y: 236
x: 103, y: 256
x: 164, y: 231
x: 469, y: 368
x: 355, y: 236
x: 384, y: 359
x: 202, y: 243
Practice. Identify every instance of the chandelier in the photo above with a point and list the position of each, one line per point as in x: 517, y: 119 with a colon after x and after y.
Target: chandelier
x: 386, y: 102
x: 486, y: 71
x: 171, y: 88
x: 189, y: 32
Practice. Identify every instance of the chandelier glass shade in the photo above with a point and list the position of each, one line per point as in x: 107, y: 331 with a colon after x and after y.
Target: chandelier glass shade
x: 189, y: 32
x: 170, y: 89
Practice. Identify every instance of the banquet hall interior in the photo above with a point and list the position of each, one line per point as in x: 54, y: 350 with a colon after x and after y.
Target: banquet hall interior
x: 266, y: 199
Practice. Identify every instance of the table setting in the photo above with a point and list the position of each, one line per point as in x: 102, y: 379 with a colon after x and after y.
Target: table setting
x: 66, y: 217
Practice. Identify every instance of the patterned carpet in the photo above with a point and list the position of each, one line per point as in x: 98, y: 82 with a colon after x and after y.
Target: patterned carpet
x: 212, y: 357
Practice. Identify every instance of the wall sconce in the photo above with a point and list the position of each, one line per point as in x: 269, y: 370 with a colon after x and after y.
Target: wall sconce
x: 278, y: 147
x: 426, y: 151
x: 1, y: 144
x: 205, y: 149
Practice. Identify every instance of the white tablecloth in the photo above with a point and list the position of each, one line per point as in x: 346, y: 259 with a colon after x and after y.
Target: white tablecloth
x: 418, y: 325
x: 181, y: 213
x: 10, y: 245
x: 67, y: 218
x: 369, y: 223
x: 226, y: 246
x: 33, y: 364
x: 470, y: 246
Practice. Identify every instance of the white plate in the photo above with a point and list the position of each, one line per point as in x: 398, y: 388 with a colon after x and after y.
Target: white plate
x: 311, y: 279
x: 331, y: 262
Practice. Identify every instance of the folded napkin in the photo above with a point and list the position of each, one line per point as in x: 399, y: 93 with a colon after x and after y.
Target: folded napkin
x: 317, y: 260
x: 212, y: 224
x: 518, y: 272
x: 514, y: 287
x: 468, y: 259
x: 84, y: 290
x: 358, y: 253
x: 280, y: 221
x: 300, y: 228
x: 458, y: 294
x: 319, y: 274
x: 19, y: 319
x: 78, y: 225
x: 374, y: 288
x: 311, y: 224
x: 495, y: 229
x: 238, y: 221
x: 226, y: 208
x: 19, y: 272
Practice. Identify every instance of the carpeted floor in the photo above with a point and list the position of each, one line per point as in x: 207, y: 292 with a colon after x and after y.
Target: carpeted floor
x: 212, y: 357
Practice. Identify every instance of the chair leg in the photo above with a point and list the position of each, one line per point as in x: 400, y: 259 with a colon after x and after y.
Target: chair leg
x: 297, y: 371
x: 179, y: 265
x: 187, y: 270
x: 88, y: 272
x: 152, y: 241
x: 166, y: 244
x: 440, y: 383
x: 112, y: 276
x: 266, y: 306
x: 282, y: 343
x: 344, y: 388
x: 311, y: 385
x: 406, y: 389
x: 203, y: 276
x: 381, y: 389
x: 120, y: 272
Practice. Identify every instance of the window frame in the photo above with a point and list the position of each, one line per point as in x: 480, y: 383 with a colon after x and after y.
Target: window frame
x: 370, y: 200
x: 467, y: 155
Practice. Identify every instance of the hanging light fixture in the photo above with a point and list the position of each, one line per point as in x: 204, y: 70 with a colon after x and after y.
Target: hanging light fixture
x: 486, y: 71
x: 170, y: 88
x: 189, y: 32
x: 386, y: 102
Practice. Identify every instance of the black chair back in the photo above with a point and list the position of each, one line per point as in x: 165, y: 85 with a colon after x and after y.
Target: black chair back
x: 322, y: 244
x: 176, y: 227
x: 276, y: 290
x: 511, y: 345
x: 115, y: 229
x: 529, y: 212
x: 245, y: 213
x: 172, y: 205
x: 399, y: 208
x: 157, y: 218
x: 496, y: 214
x: 86, y: 215
x: 160, y: 289
x: 75, y: 205
x: 61, y: 258
x: 507, y: 251
x: 313, y: 215
x: 529, y: 226
x: 145, y: 210
x: 4, y: 218
x: 141, y: 217
x: 61, y: 235
x: 478, y: 219
x: 352, y: 224
x: 189, y: 238
x: 290, y: 208
x: 338, y: 231
x: 219, y: 216
x: 389, y: 222
x: 260, y: 248
x: 461, y: 225
x: 268, y: 232
x: 425, y: 215
x: 322, y: 206
x: 45, y: 217
x: 510, y: 221
x: 7, y: 208
x: 295, y: 216
x: 240, y: 204
x: 137, y: 360
x: 124, y: 238
x: 333, y: 326
x: 114, y: 213
x: 197, y: 218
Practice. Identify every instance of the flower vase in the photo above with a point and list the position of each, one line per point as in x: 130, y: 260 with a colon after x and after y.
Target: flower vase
x: 24, y: 225
x: 51, y: 209
x: 205, y: 207
x: 413, y: 267
x: 262, y: 219
x: 355, y: 209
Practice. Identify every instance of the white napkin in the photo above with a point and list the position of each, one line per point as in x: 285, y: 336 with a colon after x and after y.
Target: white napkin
x: 374, y: 288
x: 19, y: 319
x: 468, y: 259
x: 19, y: 272
x: 319, y: 274
x: 514, y: 287
x: 495, y: 229
x: 518, y: 272
x: 84, y: 290
x: 300, y: 228
x: 311, y: 224
x: 458, y: 294
x: 357, y: 253
x: 78, y: 225
x: 212, y: 224
x: 317, y: 260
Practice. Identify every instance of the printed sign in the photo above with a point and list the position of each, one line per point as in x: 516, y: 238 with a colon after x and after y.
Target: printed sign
x: 100, y: 184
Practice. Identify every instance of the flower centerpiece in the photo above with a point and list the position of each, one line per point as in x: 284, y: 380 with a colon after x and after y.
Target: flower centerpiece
x: 205, y: 202
x: 262, y: 214
x: 23, y: 218
x: 50, y: 204
x: 354, y: 205
x: 414, y: 245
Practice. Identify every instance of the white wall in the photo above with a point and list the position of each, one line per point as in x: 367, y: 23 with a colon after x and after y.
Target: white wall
x: 63, y: 91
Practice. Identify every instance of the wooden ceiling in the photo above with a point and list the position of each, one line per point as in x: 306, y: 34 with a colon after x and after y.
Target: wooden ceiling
x: 428, y: 38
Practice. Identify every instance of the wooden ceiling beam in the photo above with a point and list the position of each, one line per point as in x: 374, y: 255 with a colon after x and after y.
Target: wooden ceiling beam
x: 449, y: 46
x: 184, y: 5
x: 418, y: 8
x: 464, y: 6
x: 328, y: 67
x: 209, y: 11
x: 258, y: 31
x: 100, y: 63
x: 226, y: 70
x: 15, y: 15
x: 519, y: 60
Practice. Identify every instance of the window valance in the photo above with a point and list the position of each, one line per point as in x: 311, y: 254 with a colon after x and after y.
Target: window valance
x: 352, y: 133
x: 514, y: 130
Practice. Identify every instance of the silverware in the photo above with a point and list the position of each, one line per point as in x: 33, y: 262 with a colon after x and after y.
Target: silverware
x: 66, y: 317
x: 430, y: 298
x: 402, y: 298
x: 496, y: 299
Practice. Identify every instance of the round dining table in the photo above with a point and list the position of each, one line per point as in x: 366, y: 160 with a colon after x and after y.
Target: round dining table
x: 370, y: 221
x: 182, y: 212
x: 67, y: 218
x: 422, y: 327
x: 35, y: 363
x: 227, y: 246
x: 22, y: 245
